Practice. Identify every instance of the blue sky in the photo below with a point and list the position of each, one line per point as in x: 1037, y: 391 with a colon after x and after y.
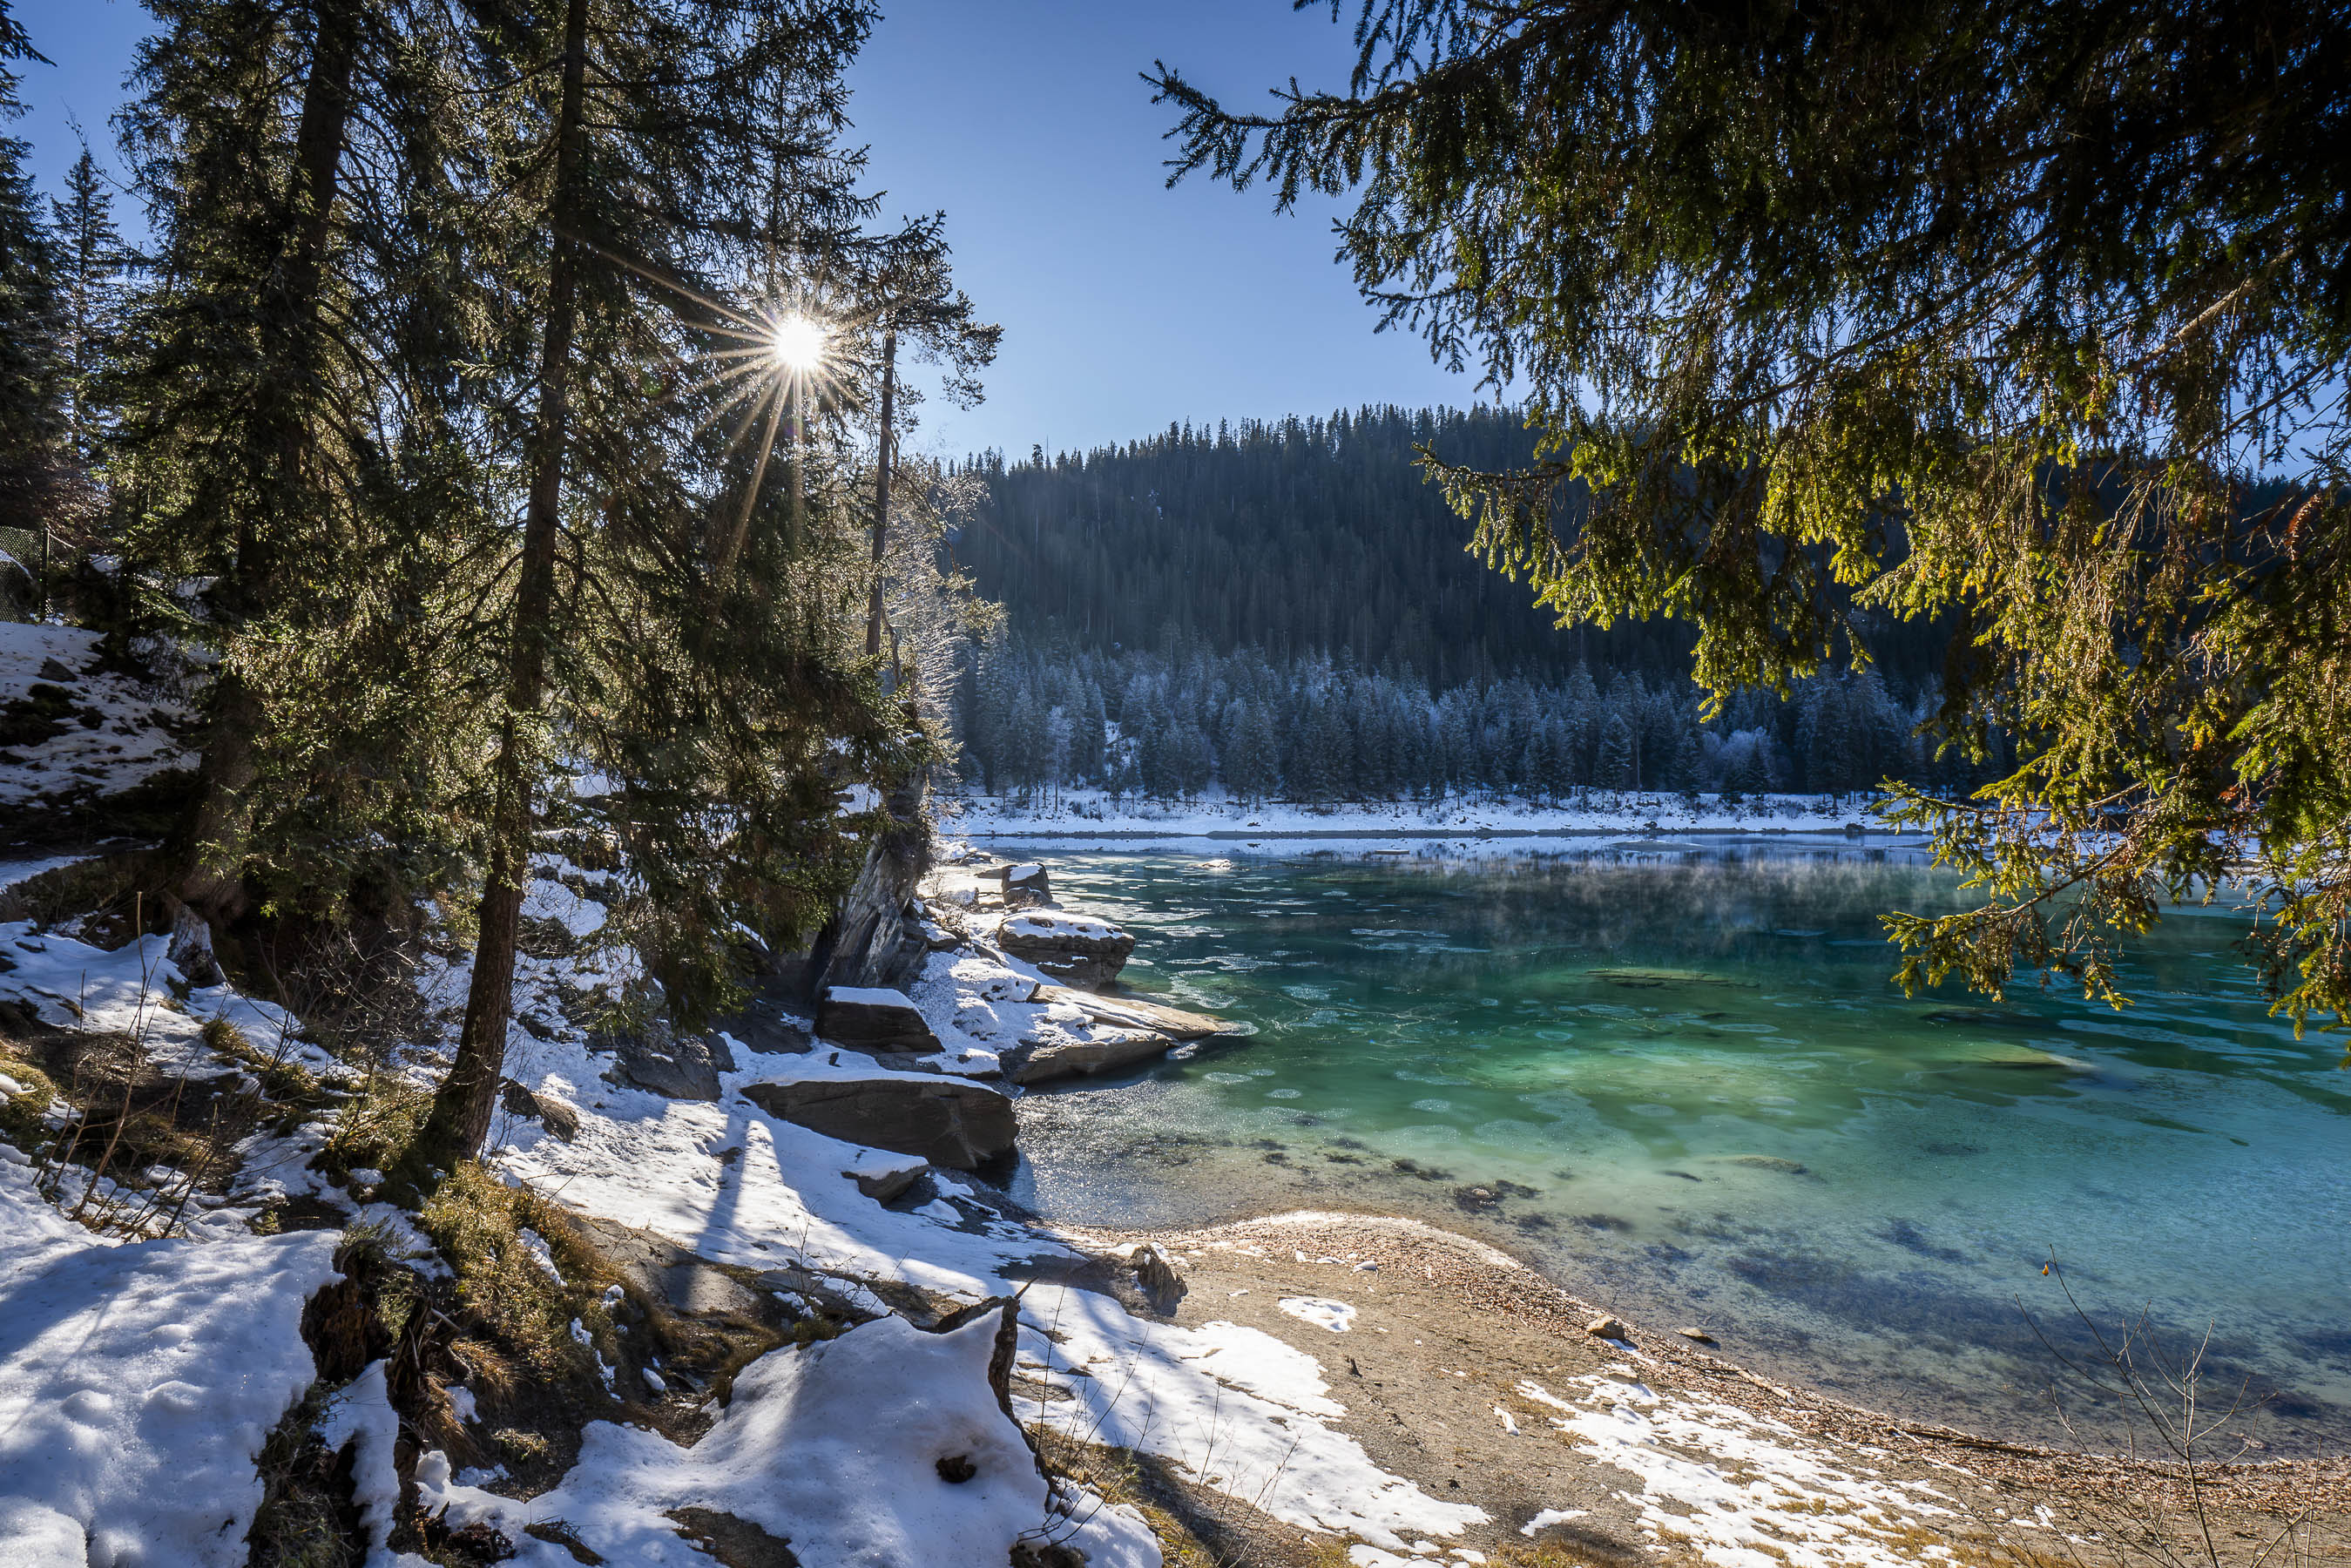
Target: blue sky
x: 1125, y: 305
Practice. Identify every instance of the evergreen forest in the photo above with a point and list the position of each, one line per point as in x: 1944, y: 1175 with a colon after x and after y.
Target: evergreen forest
x: 1287, y: 610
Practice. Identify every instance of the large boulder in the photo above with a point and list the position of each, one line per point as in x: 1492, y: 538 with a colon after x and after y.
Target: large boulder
x: 682, y: 1066
x: 766, y: 1026
x: 1086, y: 1052
x: 558, y: 1116
x: 1079, y: 948
x: 867, y: 1018
x: 949, y: 1122
x: 1134, y: 1012
x: 1025, y: 886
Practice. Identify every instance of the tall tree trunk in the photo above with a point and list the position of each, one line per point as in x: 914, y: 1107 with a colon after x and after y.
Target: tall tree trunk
x: 460, y: 1119
x: 882, y: 491
x: 216, y: 827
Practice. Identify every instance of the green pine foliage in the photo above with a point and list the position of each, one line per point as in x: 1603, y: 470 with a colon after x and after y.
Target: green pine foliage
x: 442, y: 416
x: 2033, y: 320
x: 1294, y: 595
x: 33, y: 377
x: 292, y: 432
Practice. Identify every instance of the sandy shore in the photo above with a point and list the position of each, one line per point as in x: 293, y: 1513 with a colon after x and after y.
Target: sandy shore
x: 1474, y: 1376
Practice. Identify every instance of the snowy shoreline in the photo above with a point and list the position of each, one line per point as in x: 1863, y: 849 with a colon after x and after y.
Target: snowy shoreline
x: 1287, y: 1382
x: 1597, y: 813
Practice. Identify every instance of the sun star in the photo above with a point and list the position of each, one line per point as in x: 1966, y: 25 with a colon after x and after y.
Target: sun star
x: 798, y: 343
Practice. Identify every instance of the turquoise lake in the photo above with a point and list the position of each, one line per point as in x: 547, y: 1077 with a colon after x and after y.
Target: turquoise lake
x: 1674, y: 1076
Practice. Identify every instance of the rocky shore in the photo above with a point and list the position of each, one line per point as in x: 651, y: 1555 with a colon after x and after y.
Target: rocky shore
x: 1465, y: 1371
x: 1472, y: 1374
x: 780, y: 1252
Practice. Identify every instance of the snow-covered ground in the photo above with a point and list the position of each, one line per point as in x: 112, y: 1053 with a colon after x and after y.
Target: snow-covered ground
x: 124, y: 1363
x: 1081, y: 813
x: 137, y: 1380
x: 844, y: 1449
x: 110, y: 736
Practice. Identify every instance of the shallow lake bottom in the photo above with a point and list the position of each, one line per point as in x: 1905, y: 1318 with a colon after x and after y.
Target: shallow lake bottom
x: 1675, y: 1077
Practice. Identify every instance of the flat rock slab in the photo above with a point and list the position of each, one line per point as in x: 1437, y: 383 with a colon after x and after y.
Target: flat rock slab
x: 949, y: 1122
x: 1132, y: 1013
x: 1104, y: 1050
x: 659, y: 1267
x: 1079, y: 948
x: 867, y: 1018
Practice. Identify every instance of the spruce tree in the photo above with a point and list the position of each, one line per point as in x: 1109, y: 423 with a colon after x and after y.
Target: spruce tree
x: 1619, y: 764
x: 288, y: 429
x: 91, y: 262
x: 675, y: 617
x: 31, y: 370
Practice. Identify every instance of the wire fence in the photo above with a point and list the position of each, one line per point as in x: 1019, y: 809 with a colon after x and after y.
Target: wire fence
x: 32, y: 566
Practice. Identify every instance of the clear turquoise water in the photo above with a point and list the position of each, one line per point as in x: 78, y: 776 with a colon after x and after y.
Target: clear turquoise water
x: 1710, y: 1107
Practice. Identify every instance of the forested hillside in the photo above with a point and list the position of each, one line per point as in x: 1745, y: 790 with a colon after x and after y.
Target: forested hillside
x: 1287, y: 609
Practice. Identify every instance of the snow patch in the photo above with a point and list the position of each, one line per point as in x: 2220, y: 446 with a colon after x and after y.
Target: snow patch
x: 1741, y: 1490
x: 1234, y: 1408
x: 843, y: 1446
x: 137, y: 1382
x: 1320, y: 1310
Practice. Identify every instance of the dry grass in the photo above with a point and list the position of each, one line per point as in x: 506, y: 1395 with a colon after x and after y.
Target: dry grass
x: 307, y: 1518
x: 287, y: 1083
x: 20, y: 1118
x: 502, y: 1288
x: 374, y: 1129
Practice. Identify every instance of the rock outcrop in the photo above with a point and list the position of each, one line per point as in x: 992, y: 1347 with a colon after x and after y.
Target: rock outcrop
x: 876, y: 936
x: 682, y: 1066
x: 949, y: 1122
x: 1161, y: 1280
x: 1079, y: 948
x: 870, y: 1018
x: 1025, y: 886
x: 558, y: 1116
x: 1136, y: 1012
x: 1095, y: 1050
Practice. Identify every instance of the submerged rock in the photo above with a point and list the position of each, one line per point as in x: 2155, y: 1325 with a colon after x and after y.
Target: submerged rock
x: 1646, y: 980
x: 870, y: 1018
x: 949, y: 1122
x: 1768, y: 1163
x: 1079, y: 948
